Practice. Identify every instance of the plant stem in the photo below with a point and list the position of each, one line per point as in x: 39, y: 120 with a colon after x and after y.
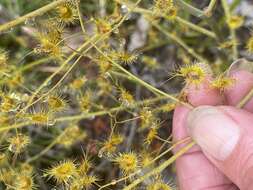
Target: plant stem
x: 174, y: 37
x: 180, y: 42
x: 245, y: 99
x: 80, y: 49
x: 45, y: 83
x: 189, y: 8
x: 195, y: 27
x: 210, y: 8
x: 122, y: 75
x: 143, y: 83
x: 47, y: 148
x: 109, y: 111
x: 232, y: 31
x: 34, y: 63
x: 86, y: 115
x: 160, y: 168
x: 178, y: 19
x: 80, y: 16
x: 30, y: 15
x: 15, y: 126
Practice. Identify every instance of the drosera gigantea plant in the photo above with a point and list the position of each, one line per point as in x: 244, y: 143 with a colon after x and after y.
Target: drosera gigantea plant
x: 63, y: 97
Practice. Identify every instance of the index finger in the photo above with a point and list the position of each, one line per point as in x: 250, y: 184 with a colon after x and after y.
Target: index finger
x: 194, y: 170
x: 243, y: 84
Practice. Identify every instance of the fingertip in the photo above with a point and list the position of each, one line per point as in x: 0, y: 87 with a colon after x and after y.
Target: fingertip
x: 243, y: 84
x: 203, y: 94
x: 206, y: 175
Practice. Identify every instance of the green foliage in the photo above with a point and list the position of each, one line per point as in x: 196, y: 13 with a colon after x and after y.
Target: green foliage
x: 85, y: 92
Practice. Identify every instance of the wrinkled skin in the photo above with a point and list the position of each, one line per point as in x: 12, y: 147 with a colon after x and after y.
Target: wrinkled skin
x: 197, y: 170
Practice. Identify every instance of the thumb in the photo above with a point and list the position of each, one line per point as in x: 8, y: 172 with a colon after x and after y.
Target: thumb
x: 225, y: 135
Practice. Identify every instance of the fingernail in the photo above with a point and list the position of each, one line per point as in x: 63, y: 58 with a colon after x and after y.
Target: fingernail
x: 215, y: 132
x: 240, y: 64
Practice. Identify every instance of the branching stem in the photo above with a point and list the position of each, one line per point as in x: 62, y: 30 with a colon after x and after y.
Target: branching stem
x: 141, y: 82
x: 86, y: 115
x: 31, y: 15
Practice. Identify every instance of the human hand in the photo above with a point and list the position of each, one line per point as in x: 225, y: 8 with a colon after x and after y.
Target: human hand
x: 223, y: 158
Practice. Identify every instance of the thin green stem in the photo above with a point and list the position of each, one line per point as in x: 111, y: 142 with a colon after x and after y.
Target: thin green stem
x: 179, y: 41
x: 232, y: 31
x: 34, y: 63
x: 47, y: 148
x: 195, y: 27
x: 109, y: 111
x: 178, y: 19
x: 155, y: 45
x: 245, y: 99
x: 189, y: 8
x: 31, y: 15
x: 80, y: 16
x: 15, y: 126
